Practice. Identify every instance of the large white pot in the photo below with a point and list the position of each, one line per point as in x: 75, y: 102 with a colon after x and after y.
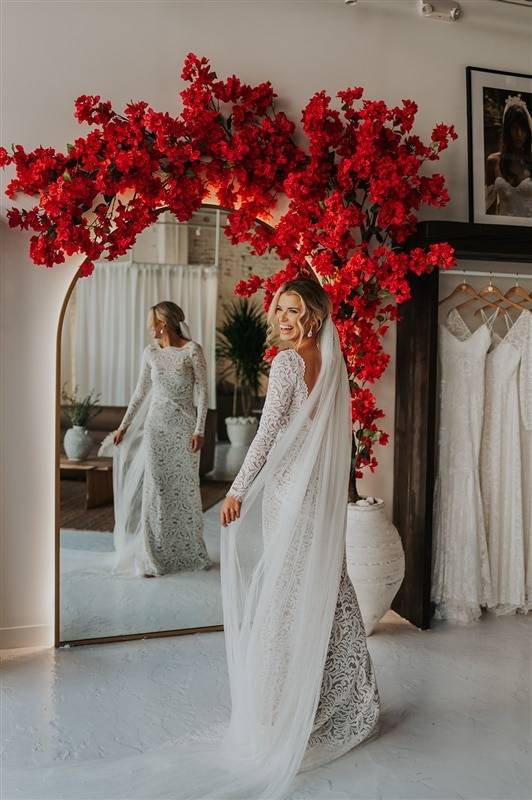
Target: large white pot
x: 241, y: 430
x: 77, y: 443
x: 375, y: 560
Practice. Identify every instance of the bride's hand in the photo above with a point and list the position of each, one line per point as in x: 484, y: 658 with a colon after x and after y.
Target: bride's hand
x: 119, y: 435
x: 230, y: 510
x: 197, y: 442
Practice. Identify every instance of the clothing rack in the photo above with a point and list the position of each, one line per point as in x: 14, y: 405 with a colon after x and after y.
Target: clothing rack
x: 471, y: 273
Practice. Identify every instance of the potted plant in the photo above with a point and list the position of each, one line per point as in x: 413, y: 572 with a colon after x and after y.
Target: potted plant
x: 80, y: 410
x: 242, y: 340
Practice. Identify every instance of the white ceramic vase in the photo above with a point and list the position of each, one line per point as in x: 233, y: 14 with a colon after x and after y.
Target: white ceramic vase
x: 241, y: 430
x: 375, y: 560
x: 77, y: 443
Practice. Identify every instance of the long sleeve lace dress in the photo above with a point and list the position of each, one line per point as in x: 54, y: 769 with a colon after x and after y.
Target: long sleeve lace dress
x: 349, y: 704
x: 172, y: 517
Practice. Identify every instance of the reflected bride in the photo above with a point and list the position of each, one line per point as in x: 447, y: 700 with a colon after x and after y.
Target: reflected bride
x: 158, y: 509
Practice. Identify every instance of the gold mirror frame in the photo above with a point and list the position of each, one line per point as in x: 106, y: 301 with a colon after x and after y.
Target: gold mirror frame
x: 58, y: 642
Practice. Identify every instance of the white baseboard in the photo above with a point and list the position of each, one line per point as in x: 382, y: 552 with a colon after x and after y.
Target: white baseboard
x: 26, y: 636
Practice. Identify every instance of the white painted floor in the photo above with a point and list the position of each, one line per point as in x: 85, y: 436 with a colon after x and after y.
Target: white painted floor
x: 456, y: 719
x: 95, y: 603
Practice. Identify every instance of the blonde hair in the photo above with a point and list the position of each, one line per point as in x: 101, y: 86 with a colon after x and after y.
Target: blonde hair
x: 168, y: 312
x: 314, y: 299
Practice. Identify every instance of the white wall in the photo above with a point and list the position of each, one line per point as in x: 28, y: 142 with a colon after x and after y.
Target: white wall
x: 55, y: 51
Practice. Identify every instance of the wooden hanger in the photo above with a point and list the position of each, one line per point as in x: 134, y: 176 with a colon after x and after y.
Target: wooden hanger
x: 462, y: 288
x: 479, y: 297
x: 496, y: 298
x: 518, y: 291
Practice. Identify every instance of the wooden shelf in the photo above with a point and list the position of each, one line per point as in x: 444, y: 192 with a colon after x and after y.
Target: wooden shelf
x: 477, y: 241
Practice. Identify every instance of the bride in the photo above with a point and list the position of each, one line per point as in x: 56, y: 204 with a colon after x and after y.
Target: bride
x: 303, y: 689
x: 158, y: 509
x: 302, y: 684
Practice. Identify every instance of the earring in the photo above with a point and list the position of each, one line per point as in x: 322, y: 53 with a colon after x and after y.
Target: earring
x: 310, y: 332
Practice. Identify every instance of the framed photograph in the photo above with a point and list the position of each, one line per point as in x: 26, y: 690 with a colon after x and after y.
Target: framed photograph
x: 499, y: 129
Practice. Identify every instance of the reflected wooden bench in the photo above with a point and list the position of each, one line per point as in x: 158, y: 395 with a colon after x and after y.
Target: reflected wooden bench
x: 98, y: 474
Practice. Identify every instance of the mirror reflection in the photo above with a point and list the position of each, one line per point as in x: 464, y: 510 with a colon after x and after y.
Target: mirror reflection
x: 162, y: 386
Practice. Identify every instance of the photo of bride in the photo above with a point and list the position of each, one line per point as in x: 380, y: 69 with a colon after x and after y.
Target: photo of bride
x: 499, y: 111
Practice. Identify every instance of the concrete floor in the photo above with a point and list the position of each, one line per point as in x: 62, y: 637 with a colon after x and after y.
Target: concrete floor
x: 456, y: 719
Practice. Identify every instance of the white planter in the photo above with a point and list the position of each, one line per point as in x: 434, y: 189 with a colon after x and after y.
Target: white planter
x: 241, y: 430
x: 77, y: 443
x: 375, y: 560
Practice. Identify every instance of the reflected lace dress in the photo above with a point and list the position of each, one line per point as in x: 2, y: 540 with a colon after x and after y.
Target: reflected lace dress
x: 461, y: 580
x: 172, y: 515
x: 349, y: 705
x: 501, y: 466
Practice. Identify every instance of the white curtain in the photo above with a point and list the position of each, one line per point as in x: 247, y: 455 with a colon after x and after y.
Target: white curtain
x: 110, y: 330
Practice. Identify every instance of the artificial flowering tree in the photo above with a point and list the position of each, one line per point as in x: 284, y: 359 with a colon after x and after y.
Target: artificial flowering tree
x: 353, y: 193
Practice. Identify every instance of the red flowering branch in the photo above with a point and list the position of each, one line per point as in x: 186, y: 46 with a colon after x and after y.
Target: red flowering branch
x: 353, y: 198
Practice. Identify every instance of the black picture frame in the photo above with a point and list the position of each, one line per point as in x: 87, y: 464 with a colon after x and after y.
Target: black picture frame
x: 478, y: 80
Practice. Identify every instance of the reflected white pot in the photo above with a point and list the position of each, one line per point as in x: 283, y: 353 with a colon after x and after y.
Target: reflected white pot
x: 375, y: 560
x: 241, y: 430
x: 77, y: 443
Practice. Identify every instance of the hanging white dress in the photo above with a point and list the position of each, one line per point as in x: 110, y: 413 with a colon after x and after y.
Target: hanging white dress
x: 461, y: 582
x: 501, y: 469
x: 158, y: 509
x: 348, y: 707
x: 525, y: 403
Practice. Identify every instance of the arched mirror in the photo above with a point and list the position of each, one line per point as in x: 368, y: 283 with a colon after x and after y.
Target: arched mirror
x: 177, y: 493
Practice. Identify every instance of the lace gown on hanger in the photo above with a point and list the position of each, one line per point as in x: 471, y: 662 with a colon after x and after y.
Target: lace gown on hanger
x: 461, y: 581
x: 172, y: 516
x: 525, y: 403
x: 501, y: 472
x: 348, y: 708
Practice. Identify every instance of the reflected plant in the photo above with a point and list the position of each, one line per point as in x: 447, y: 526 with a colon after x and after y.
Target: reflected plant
x: 80, y: 409
x: 242, y: 342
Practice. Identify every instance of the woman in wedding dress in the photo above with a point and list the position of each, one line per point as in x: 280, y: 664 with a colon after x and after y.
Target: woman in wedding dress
x: 303, y: 686
x: 509, y: 171
x: 158, y: 509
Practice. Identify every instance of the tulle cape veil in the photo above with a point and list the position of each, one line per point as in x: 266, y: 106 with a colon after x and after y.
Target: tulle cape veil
x: 279, y: 593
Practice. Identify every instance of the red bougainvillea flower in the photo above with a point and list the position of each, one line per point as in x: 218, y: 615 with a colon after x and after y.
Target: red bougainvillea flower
x: 352, y: 197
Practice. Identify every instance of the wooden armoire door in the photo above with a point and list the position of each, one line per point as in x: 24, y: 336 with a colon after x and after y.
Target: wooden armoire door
x: 415, y: 411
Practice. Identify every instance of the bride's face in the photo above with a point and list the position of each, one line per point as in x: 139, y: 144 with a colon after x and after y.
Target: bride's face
x: 518, y: 136
x: 289, y: 309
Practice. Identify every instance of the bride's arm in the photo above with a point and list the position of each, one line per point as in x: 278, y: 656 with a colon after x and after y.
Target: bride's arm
x: 141, y: 390
x: 276, y: 405
x: 199, y: 365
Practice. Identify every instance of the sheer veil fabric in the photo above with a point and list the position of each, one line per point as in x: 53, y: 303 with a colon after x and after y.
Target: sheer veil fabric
x: 279, y: 592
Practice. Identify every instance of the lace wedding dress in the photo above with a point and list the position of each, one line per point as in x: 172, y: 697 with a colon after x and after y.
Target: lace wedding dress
x: 168, y: 529
x: 525, y: 403
x: 461, y: 581
x: 348, y: 708
x: 501, y: 468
